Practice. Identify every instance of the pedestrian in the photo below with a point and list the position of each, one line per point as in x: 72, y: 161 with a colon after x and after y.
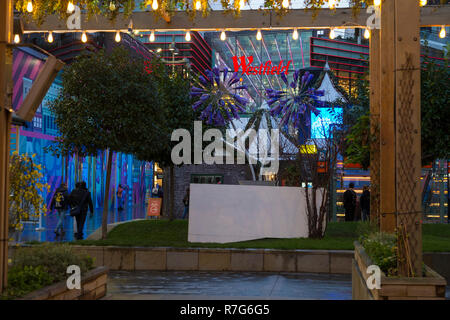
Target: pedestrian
x: 120, y: 197
x: 350, y: 202
x: 60, y: 202
x: 80, y: 200
x: 186, y: 204
x: 364, y: 202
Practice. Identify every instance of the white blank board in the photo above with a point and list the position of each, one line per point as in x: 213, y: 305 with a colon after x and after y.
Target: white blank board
x: 231, y: 213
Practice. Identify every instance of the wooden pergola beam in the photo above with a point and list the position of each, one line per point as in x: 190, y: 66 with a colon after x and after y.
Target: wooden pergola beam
x: 249, y: 19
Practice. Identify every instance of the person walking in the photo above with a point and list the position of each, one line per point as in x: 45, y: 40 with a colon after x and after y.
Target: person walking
x: 80, y: 200
x: 350, y: 202
x: 186, y: 204
x: 364, y: 202
x: 120, y: 197
x: 60, y: 202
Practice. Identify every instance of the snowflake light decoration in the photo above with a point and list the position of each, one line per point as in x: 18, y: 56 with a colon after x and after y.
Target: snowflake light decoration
x: 216, y: 98
x: 296, y: 101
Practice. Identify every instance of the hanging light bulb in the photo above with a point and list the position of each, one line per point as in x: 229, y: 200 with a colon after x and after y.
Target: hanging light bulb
x: 367, y: 34
x: 16, y: 38
x: 198, y: 5
x: 117, y: 38
x: 376, y: 3
x: 70, y: 7
x: 295, y: 34
x: 152, y: 36
x: 285, y: 4
x: 332, y: 4
x: 84, y: 37
x: 112, y: 6
x: 188, y: 36
x: 442, y: 34
x: 30, y: 6
x: 258, y: 35
x: 155, y: 5
x: 50, y: 37
x: 223, y: 36
x: 241, y: 4
x: 332, y: 34
x: 423, y: 3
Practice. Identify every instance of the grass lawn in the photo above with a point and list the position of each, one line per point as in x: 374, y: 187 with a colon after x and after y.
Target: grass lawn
x: 339, y: 236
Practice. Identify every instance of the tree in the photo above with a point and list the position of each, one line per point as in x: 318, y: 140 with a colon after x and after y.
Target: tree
x: 104, y: 101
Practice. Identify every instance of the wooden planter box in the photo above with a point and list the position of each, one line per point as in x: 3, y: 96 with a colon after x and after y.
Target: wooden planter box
x: 430, y: 287
x: 93, y: 287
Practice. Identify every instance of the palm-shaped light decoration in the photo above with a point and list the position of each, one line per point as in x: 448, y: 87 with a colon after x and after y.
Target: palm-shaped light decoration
x: 296, y: 101
x: 217, y: 101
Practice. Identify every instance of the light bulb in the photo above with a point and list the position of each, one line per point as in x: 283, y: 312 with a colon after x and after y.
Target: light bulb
x: 376, y: 3
x: 16, y: 38
x: 367, y: 34
x: 241, y: 4
x: 158, y: 50
x: 30, y: 6
x: 332, y: 34
x: 223, y: 36
x: 112, y: 6
x: 442, y: 34
x: 295, y: 34
x: 332, y: 4
x: 152, y: 36
x: 258, y: 35
x: 117, y: 38
x: 70, y: 7
x: 285, y: 4
x: 84, y: 37
x: 423, y: 3
x: 50, y: 37
x: 198, y: 5
x: 188, y: 36
x: 155, y: 5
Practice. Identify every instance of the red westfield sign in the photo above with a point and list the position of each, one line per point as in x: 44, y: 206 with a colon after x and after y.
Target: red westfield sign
x: 266, y: 68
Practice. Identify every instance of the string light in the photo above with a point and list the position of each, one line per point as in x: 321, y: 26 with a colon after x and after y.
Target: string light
x: 30, y: 6
x: 223, y: 36
x: 198, y: 5
x: 376, y: 3
x: 112, y: 6
x: 241, y: 4
x: 442, y: 34
x: 70, y: 7
x: 155, y: 5
x: 117, y: 38
x: 285, y: 4
x: 332, y: 34
x: 188, y: 36
x: 16, y: 38
x: 367, y: 34
x: 295, y: 34
x: 152, y: 36
x: 332, y: 4
x: 50, y: 37
x: 258, y: 35
x: 423, y: 3
x: 84, y: 37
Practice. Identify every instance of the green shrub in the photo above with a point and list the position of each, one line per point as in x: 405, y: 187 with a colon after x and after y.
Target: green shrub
x: 382, y: 249
x: 22, y: 280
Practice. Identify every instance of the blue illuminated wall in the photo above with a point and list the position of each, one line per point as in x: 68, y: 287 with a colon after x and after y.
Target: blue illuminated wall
x: 320, y: 124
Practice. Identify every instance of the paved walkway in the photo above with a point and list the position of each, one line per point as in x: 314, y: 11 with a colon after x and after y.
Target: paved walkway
x: 177, y: 285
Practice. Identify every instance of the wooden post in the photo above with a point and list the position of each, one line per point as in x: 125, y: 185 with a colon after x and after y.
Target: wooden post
x: 375, y: 100
x: 6, y: 37
x: 407, y: 132
x: 387, y: 130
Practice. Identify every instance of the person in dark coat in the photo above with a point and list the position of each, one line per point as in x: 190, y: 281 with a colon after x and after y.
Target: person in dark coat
x: 364, y: 202
x: 60, y: 202
x: 350, y: 202
x: 82, y: 197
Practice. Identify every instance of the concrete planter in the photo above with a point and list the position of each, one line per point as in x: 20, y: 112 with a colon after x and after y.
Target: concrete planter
x: 93, y: 287
x: 430, y: 287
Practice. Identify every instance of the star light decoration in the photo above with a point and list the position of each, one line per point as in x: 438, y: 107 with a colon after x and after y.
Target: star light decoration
x: 296, y: 101
x: 215, y: 92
